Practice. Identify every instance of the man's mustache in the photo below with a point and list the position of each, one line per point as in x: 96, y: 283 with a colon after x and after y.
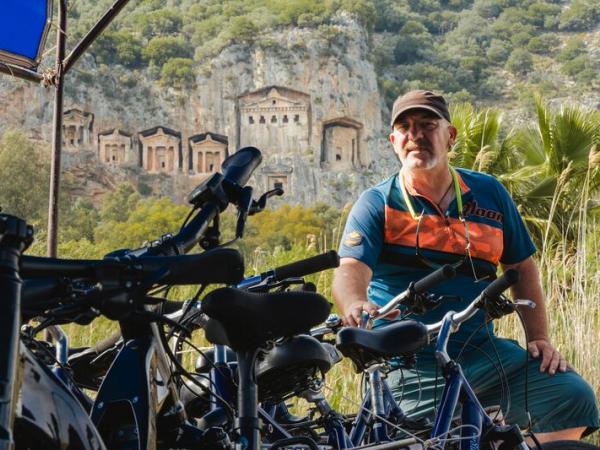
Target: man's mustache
x: 421, y: 145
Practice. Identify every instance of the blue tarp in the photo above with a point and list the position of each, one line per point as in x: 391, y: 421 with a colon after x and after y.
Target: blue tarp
x: 23, y: 26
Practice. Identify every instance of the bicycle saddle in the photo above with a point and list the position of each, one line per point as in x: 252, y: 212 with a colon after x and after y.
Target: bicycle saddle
x: 244, y: 320
x: 367, y: 347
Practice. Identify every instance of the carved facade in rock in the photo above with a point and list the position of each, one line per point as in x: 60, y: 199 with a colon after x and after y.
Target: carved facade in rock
x: 275, y: 119
x: 277, y: 174
x: 160, y: 150
x: 78, y: 127
x: 206, y: 153
x: 340, y: 146
x: 114, y: 147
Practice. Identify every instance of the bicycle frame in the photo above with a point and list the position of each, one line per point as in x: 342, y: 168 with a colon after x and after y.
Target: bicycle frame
x: 475, y: 421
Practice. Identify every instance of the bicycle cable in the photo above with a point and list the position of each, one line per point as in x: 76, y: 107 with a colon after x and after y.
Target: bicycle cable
x: 426, y: 443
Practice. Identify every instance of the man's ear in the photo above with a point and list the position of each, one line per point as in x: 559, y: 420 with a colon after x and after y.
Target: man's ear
x: 453, y: 132
x: 392, y: 138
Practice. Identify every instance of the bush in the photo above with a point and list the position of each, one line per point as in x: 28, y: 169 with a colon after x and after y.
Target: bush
x: 519, y: 62
x: 118, y: 47
x: 160, y: 49
x: 544, y: 44
x: 543, y: 15
x: 499, y: 51
x: 159, y: 22
x: 178, y: 73
x: 576, y: 65
x: 580, y: 16
x: 574, y: 48
x: 242, y: 29
x: 412, y: 42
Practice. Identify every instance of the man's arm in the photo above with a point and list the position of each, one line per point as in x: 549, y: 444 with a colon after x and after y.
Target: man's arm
x: 529, y: 287
x: 350, y: 282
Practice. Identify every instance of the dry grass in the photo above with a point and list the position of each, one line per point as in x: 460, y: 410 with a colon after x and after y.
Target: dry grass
x: 571, y: 281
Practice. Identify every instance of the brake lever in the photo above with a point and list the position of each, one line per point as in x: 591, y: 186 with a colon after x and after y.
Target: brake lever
x: 260, y: 204
x: 524, y: 302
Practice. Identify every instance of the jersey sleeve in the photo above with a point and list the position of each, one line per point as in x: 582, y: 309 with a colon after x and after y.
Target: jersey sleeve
x: 363, y: 233
x: 517, y: 241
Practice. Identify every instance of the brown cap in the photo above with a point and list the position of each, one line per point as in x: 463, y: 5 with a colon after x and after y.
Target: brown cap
x: 420, y: 100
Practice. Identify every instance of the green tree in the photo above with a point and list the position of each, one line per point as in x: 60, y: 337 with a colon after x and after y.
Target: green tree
x: 158, y: 23
x: 118, y: 47
x: 178, y: 73
x: 118, y: 204
x: 25, y: 177
x: 151, y: 218
x: 79, y: 222
x: 413, y: 42
x: 160, y: 49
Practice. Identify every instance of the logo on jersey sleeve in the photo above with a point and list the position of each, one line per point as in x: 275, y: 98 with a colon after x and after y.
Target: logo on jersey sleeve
x: 353, y: 239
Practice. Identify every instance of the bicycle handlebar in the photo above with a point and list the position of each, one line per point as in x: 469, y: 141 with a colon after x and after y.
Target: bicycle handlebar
x: 297, y: 269
x: 443, y: 273
x: 221, y: 265
x: 493, y: 290
x: 307, y: 266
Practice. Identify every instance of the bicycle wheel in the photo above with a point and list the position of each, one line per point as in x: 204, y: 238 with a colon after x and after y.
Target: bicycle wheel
x: 568, y: 445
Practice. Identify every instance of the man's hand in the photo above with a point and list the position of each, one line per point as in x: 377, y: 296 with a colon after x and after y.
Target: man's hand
x: 551, y: 358
x: 353, y: 312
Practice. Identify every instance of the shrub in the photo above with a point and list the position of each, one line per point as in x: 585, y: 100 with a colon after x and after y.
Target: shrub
x: 499, y: 51
x: 159, y: 22
x: 118, y: 47
x: 178, y: 73
x: 581, y: 15
x: 160, y: 49
x: 519, y: 62
x: 544, y: 44
x: 242, y: 29
x: 573, y: 48
x: 412, y: 42
x: 576, y: 65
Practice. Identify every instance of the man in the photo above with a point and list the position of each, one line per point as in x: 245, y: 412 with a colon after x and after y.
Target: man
x: 430, y: 214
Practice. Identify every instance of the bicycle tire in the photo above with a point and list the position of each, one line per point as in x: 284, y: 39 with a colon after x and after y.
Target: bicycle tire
x: 568, y: 445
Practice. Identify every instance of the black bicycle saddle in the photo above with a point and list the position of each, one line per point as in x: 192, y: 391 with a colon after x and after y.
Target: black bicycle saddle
x: 367, y: 347
x: 243, y: 320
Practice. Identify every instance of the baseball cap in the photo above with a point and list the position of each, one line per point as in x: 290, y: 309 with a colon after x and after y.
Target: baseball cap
x: 420, y: 99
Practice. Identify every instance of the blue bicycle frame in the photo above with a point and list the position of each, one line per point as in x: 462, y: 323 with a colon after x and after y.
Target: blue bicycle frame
x: 474, y: 419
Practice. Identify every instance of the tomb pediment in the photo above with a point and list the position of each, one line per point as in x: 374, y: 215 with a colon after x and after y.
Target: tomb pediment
x: 276, y: 168
x: 274, y: 97
x: 208, y: 137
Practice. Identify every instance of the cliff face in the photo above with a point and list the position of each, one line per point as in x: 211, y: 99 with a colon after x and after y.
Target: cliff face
x: 307, y: 98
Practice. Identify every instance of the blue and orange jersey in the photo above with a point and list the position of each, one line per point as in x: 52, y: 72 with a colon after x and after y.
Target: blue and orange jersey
x: 382, y: 233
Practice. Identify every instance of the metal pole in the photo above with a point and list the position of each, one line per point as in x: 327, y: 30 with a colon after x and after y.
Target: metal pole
x: 61, y: 37
x: 20, y: 72
x: 91, y: 36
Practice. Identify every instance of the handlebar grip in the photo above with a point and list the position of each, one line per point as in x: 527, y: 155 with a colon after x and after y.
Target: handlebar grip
x: 307, y: 266
x: 221, y: 265
x: 238, y: 167
x: 433, y: 279
x: 502, y: 283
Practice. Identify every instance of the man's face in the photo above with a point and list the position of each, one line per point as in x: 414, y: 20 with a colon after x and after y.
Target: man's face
x: 422, y: 140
